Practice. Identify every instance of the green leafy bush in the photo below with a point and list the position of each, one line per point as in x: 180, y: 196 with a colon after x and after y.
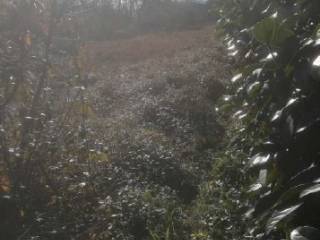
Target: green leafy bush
x: 275, y: 96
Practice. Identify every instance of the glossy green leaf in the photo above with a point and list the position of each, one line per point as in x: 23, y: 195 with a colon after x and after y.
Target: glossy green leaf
x: 271, y: 31
x: 305, y: 233
x: 279, y: 216
x: 310, y: 190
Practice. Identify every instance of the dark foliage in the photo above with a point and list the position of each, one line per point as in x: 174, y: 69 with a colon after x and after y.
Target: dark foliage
x: 276, y: 95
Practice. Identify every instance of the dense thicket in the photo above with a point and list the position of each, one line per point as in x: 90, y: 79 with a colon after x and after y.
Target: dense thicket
x: 275, y: 97
x: 44, y: 122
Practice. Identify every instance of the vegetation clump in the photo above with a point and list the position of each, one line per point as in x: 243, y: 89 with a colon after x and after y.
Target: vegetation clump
x: 274, y: 97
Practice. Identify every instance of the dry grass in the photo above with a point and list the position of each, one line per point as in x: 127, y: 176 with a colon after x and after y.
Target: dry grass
x: 155, y: 45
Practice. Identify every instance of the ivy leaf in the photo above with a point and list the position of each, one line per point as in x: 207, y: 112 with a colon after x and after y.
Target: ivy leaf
x: 272, y: 31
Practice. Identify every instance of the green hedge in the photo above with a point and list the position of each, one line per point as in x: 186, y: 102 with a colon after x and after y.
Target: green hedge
x: 276, y: 97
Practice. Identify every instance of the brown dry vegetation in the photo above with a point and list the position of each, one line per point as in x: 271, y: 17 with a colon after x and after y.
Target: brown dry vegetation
x: 155, y: 115
x: 145, y: 123
x: 159, y: 89
x: 109, y: 142
x: 153, y: 45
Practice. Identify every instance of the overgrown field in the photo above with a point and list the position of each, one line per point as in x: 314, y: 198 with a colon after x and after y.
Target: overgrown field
x: 117, y: 143
x: 145, y: 137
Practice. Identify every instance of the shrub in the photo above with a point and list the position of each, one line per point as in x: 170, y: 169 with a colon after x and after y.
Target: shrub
x: 275, y: 96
